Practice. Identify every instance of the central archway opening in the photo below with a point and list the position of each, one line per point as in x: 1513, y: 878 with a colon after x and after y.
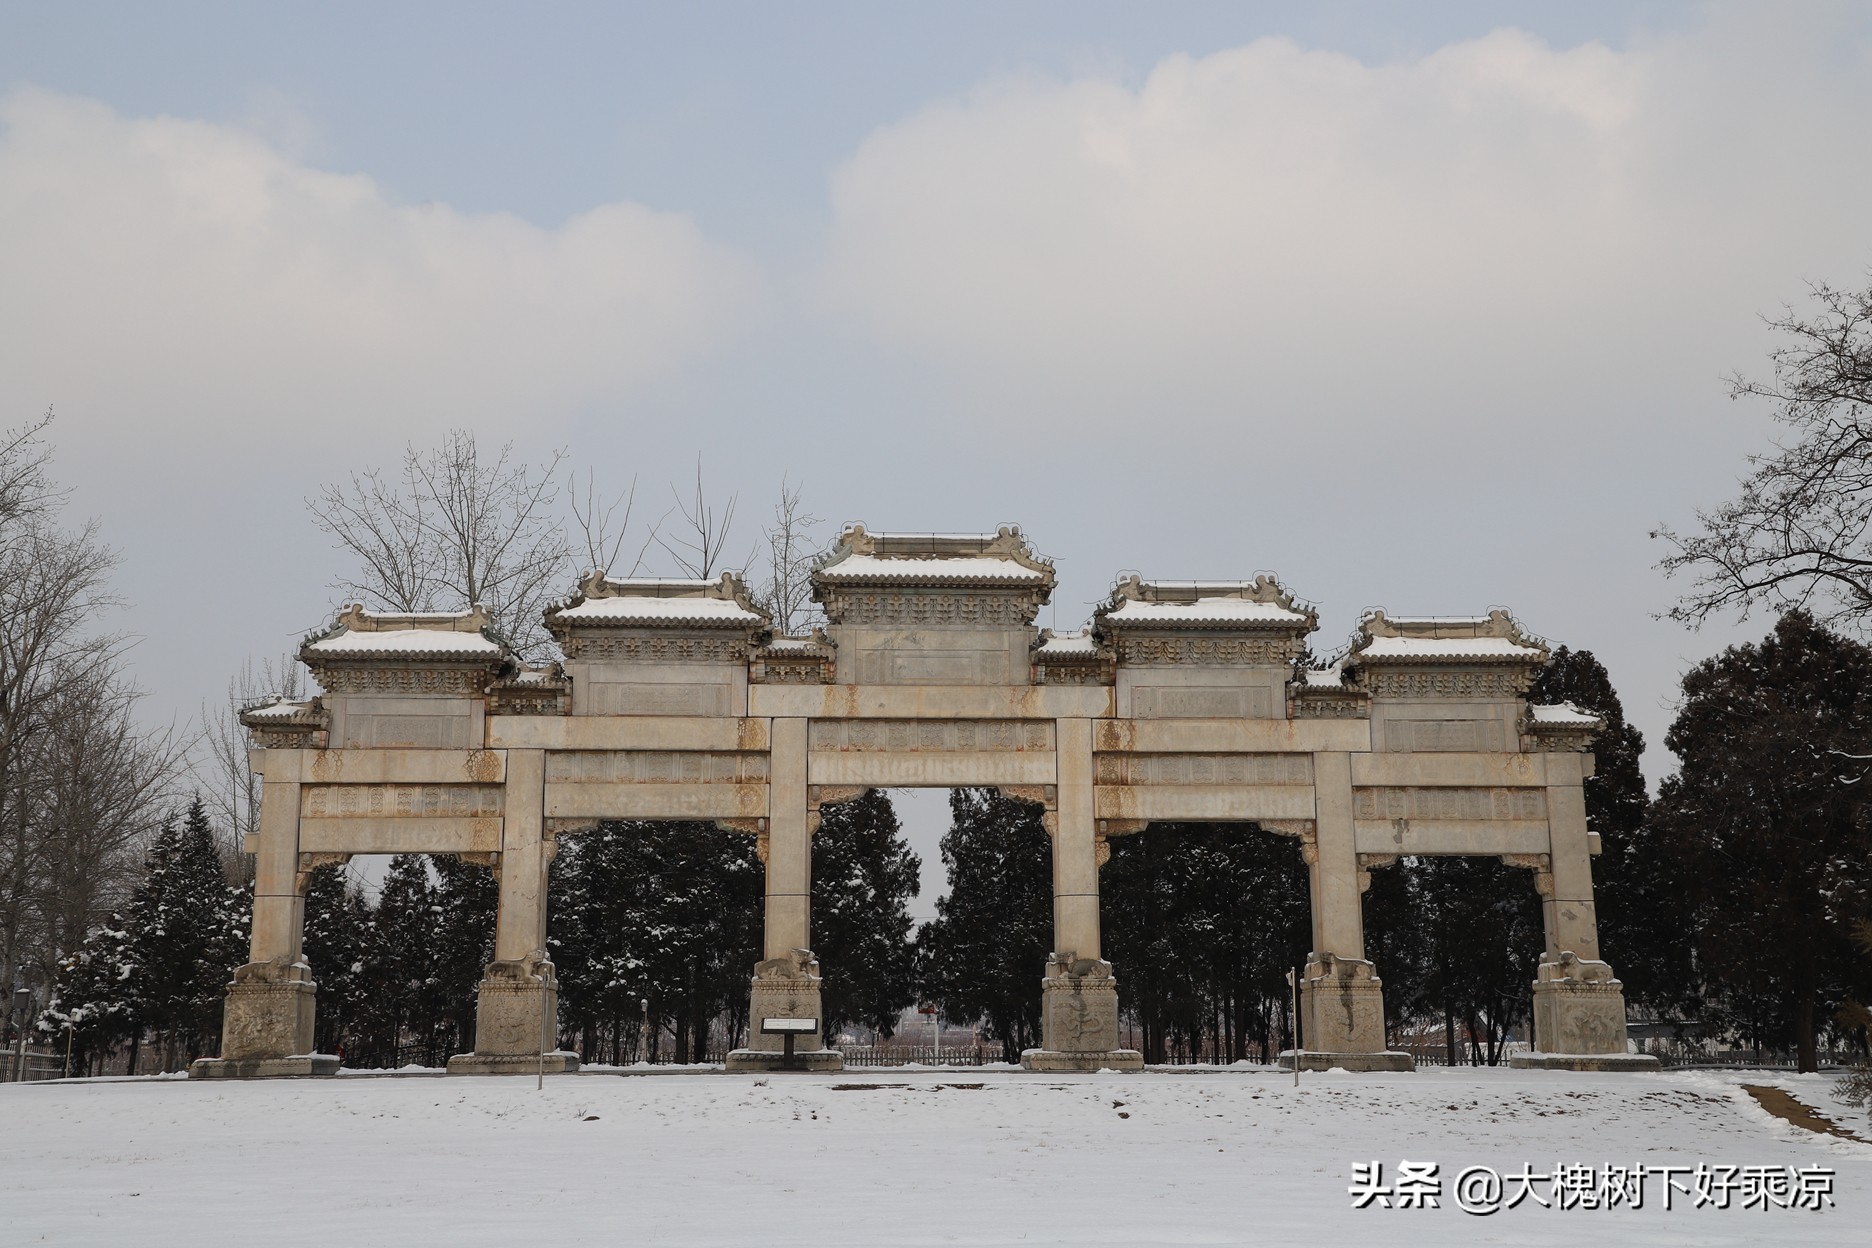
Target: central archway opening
x: 1204, y: 922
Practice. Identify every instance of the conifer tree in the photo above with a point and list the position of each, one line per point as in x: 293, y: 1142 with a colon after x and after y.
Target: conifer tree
x: 468, y: 899
x: 663, y: 912
x: 1769, y: 811
x: 337, y: 936
x: 864, y: 875
x: 1203, y: 922
x: 95, y: 996
x: 188, y: 931
x: 984, y: 955
x: 402, y: 1007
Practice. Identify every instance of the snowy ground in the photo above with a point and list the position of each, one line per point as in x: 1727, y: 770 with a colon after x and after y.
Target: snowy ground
x: 881, y: 1157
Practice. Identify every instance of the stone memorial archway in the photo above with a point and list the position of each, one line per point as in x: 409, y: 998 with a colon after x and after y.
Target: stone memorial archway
x: 676, y: 701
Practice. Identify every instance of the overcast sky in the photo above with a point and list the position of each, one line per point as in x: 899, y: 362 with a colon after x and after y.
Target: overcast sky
x: 1421, y: 306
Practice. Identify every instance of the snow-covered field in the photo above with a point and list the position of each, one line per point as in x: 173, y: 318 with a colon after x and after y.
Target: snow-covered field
x: 882, y: 1157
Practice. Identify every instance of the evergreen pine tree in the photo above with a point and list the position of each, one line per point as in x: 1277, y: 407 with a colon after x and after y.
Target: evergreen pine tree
x: 188, y: 931
x: 469, y: 900
x: 1769, y: 810
x: 337, y: 936
x: 401, y: 1018
x: 1483, y: 940
x: 1203, y: 922
x: 664, y: 912
x: 864, y: 876
x: 96, y: 996
x: 984, y: 955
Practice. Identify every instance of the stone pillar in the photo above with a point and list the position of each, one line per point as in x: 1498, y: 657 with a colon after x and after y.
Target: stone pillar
x: 517, y: 1007
x: 267, y: 1020
x: 1579, y: 1006
x: 1079, y: 994
x: 786, y: 979
x: 1341, y: 997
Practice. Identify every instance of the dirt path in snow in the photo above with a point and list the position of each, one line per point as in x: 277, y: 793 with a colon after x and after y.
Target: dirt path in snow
x: 1786, y: 1108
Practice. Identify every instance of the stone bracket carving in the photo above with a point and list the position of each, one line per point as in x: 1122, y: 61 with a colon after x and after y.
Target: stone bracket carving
x: 1540, y: 864
x: 309, y: 863
x: 1046, y: 795
x: 490, y: 859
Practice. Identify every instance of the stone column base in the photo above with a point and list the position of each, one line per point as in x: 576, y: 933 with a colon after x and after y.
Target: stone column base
x: 558, y: 1062
x: 785, y: 987
x: 1585, y: 1061
x: 263, y: 1067
x: 1342, y: 1017
x: 748, y: 1061
x: 1310, y: 1060
x: 1079, y: 1019
x: 1107, y: 1059
x: 1579, y: 1008
x: 268, y: 1014
x: 516, y: 1008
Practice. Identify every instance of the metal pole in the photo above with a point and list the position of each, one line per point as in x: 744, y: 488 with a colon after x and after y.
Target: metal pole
x: 936, y: 1038
x: 1293, y: 989
x: 68, y: 1042
x: 545, y: 1032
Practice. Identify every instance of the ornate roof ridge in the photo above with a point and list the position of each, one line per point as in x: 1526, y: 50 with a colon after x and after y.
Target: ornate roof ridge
x: 1259, y: 603
x: 359, y: 635
x: 1001, y: 558
x: 1493, y: 638
x: 604, y: 601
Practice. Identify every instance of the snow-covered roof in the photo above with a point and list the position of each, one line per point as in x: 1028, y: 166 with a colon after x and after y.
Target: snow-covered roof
x: 1206, y: 610
x: 1076, y: 645
x: 661, y: 611
x: 861, y: 557
x: 1448, y: 648
x: 358, y: 633
x: 1491, y: 638
x: 1202, y: 604
x: 279, y: 710
x: 1323, y: 678
x: 658, y: 602
x: 404, y: 641
x: 1563, y: 714
x: 867, y: 568
x: 797, y: 645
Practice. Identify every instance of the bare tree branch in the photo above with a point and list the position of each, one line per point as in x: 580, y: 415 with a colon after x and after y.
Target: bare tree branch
x: 787, y: 592
x: 697, y: 544
x: 1796, y: 535
x: 455, y: 531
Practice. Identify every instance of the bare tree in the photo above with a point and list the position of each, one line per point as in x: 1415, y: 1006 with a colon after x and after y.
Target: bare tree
x: 602, y: 529
x: 230, y: 789
x: 25, y: 489
x: 78, y: 780
x: 787, y: 593
x: 1800, y: 532
x: 698, y: 542
x: 454, y: 530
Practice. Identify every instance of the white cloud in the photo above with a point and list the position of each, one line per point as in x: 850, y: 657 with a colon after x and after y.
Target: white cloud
x: 1276, y: 223
x: 174, y: 269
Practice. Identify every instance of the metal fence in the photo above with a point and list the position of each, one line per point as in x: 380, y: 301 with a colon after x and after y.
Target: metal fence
x: 40, y: 1064
x: 921, y: 1054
